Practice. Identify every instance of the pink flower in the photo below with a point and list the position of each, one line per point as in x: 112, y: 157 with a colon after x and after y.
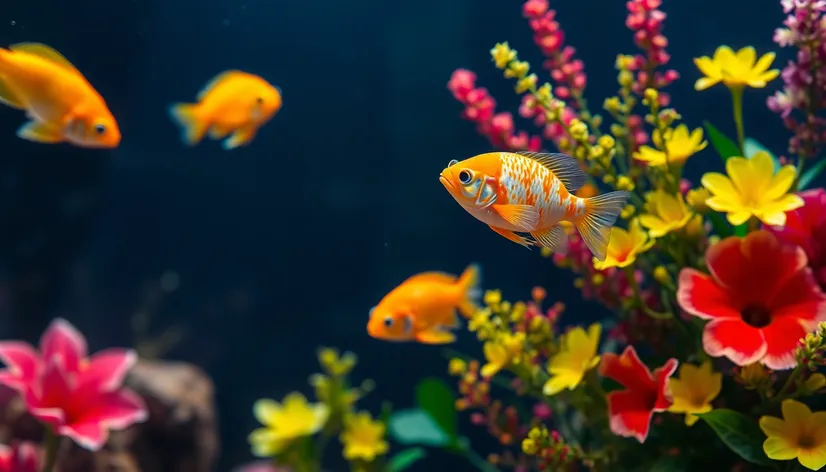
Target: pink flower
x: 20, y: 457
x: 806, y: 227
x: 78, y: 397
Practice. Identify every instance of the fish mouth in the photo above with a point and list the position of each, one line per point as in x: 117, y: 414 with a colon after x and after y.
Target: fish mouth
x: 445, y: 181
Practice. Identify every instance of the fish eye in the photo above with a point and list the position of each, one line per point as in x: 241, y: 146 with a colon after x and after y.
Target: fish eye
x: 465, y: 177
x: 260, y: 100
x: 100, y: 129
x: 388, y: 322
x: 452, y: 163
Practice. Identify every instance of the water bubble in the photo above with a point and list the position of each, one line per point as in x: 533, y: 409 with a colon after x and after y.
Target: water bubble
x: 170, y: 281
x: 13, y: 22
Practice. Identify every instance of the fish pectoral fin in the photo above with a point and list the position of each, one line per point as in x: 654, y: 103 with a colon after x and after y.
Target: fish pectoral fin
x: 39, y: 132
x: 565, y: 167
x: 8, y: 96
x: 435, y: 336
x: 217, y: 132
x: 239, y: 138
x: 45, y: 52
x: 555, y: 239
x: 521, y: 216
x: 510, y: 235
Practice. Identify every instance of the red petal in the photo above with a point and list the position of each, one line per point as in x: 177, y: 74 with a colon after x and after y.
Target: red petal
x: 700, y: 296
x: 741, y: 343
x: 630, y: 414
x: 800, y: 297
x: 661, y: 376
x: 24, y: 458
x: 61, y: 339
x: 115, y: 410
x: 782, y: 337
x: 627, y: 369
x: 106, y: 371
x: 22, y: 362
x: 91, y: 436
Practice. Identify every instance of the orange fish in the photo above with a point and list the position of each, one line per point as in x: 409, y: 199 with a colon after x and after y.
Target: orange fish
x: 235, y: 103
x: 423, y: 307
x: 533, y: 193
x: 62, y: 105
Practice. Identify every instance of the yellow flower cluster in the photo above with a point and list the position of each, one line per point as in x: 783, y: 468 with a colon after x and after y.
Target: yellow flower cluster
x: 287, y: 425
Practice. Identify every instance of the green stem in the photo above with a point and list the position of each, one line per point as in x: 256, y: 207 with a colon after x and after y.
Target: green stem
x: 479, y: 462
x: 789, y: 382
x: 629, y: 272
x: 737, y: 106
x: 754, y: 224
x: 52, y: 446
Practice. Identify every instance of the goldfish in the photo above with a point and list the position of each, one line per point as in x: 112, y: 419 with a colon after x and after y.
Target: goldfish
x: 61, y: 104
x: 533, y: 193
x: 423, y: 307
x: 234, y: 104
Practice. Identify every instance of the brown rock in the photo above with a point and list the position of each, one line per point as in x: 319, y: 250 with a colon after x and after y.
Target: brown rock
x: 179, y: 436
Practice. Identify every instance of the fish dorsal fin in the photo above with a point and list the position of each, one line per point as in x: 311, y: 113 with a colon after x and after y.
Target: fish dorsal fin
x: 565, y: 167
x: 215, y: 81
x: 433, y: 277
x: 45, y: 52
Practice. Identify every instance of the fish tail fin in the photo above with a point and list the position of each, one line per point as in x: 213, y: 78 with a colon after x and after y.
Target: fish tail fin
x: 470, y: 284
x: 186, y: 116
x: 601, y: 213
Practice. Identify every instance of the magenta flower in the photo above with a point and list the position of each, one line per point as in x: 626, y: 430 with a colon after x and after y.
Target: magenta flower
x: 20, y: 457
x: 78, y: 397
x: 806, y: 227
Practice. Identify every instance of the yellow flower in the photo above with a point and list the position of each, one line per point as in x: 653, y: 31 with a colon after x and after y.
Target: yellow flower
x: 694, y: 390
x: 735, y: 69
x: 696, y: 199
x: 457, y: 366
x: 679, y: 144
x: 752, y: 188
x: 502, y: 54
x: 668, y: 213
x: 578, y: 356
x: 283, y: 423
x: 814, y: 383
x: 334, y: 364
x: 363, y: 438
x: 501, y: 352
x: 800, y: 434
x: 624, y: 246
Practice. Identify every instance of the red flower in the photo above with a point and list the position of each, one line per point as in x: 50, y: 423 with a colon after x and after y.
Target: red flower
x: 760, y: 299
x: 20, y: 457
x: 631, y: 409
x: 78, y: 397
x: 806, y: 227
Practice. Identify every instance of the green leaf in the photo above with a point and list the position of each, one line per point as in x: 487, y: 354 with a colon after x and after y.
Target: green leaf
x: 740, y: 433
x: 721, y: 227
x: 724, y: 146
x: 741, y: 230
x: 436, y: 398
x: 404, y: 459
x: 811, y: 174
x: 752, y: 147
x: 415, y: 426
x: 669, y: 464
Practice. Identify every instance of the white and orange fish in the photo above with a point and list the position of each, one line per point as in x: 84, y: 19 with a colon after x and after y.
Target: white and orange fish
x: 61, y: 104
x: 533, y: 193
x: 423, y: 307
x: 234, y: 104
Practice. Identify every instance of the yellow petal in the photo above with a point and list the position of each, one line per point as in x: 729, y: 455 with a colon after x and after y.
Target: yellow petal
x: 780, y: 183
x: 707, y: 67
x: 738, y: 218
x: 556, y: 384
x: 691, y: 419
x: 721, y: 186
x: 266, y: 411
x: 264, y: 442
x: 705, y: 83
x: 743, y: 176
x: 773, y: 218
x: 763, y: 164
x: 795, y: 413
x: 779, y: 448
x: 594, y: 333
x: 772, y: 426
x: 724, y: 206
x: 814, y: 458
x: 768, y: 76
x: 746, y: 57
x: 723, y: 55
x: 763, y: 63
x: 656, y: 227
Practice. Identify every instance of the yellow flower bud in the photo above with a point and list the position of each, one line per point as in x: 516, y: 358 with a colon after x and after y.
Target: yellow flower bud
x: 526, y: 83
x: 596, y: 152
x: 578, y: 130
x: 529, y: 446
x: 650, y: 95
x: 618, y: 131
x: 623, y: 61
x: 608, y: 179
x: 597, y: 279
x: 493, y: 297
x: 517, y: 69
x: 581, y: 152
x: 545, y: 252
x: 815, y: 382
x: 552, y: 115
x: 628, y: 212
x: 696, y: 199
x: 625, y: 78
x: 579, y: 283
x: 544, y: 93
x: 625, y: 183
x: 661, y: 275
x: 457, y: 366
x: 502, y: 54
x: 612, y: 104
x: 606, y: 141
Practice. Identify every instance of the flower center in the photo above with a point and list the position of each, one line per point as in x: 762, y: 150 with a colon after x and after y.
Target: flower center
x: 805, y: 441
x: 756, y: 315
